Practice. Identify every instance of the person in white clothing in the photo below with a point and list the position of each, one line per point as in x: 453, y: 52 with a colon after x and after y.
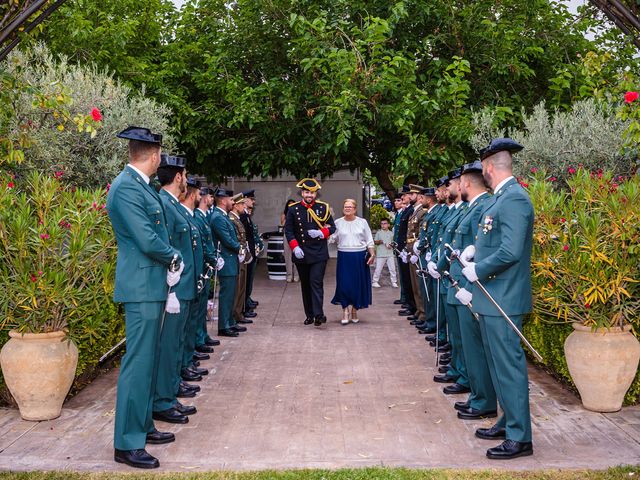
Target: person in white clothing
x: 384, y: 254
x: 356, y: 252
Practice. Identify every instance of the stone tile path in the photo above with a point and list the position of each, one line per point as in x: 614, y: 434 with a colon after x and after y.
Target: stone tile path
x: 285, y: 395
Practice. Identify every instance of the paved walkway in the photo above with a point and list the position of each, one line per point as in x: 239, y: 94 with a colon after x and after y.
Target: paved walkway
x: 285, y: 395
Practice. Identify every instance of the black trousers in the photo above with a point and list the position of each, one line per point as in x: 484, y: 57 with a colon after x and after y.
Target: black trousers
x: 251, y: 270
x: 311, y: 282
x: 405, y: 273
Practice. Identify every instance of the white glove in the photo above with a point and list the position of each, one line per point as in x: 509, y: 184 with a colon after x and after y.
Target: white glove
x: 315, y: 233
x: 174, y: 277
x: 299, y: 253
x: 413, y: 259
x: 432, y: 268
x: 464, y: 296
x: 173, y: 304
x: 241, y: 257
x: 416, y: 250
x: 427, y: 256
x: 468, y: 254
x: 219, y: 263
x: 403, y: 256
x: 470, y: 272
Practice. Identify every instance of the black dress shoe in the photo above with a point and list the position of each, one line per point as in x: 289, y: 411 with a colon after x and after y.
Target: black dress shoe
x: 245, y: 321
x: 204, y: 349
x: 473, y: 414
x: 212, y: 342
x: 185, y: 393
x: 444, y: 348
x: 201, y: 356
x: 136, y: 458
x: 227, y: 333
x: 461, y: 405
x: 411, y: 318
x: 430, y: 330
x: 189, y: 376
x: 238, y: 328
x: 443, y: 369
x: 430, y: 338
x: 253, y: 303
x: 405, y: 313
x: 195, y: 362
x: 188, y: 386
x: 158, y: 438
x: 492, y: 433
x: 422, y: 326
x: 319, y: 320
x: 308, y: 321
x: 444, y: 379
x: 446, y: 356
x: 510, y: 449
x: 185, y: 409
x: 455, y: 389
x: 398, y: 302
x: 198, y: 371
x: 406, y: 306
x: 170, y: 415
x: 444, y: 361
x: 415, y: 322
x: 250, y: 314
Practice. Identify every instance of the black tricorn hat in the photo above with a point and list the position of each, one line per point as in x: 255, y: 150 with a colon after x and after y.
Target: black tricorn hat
x: 193, y: 183
x: 310, y: 184
x: 499, y: 145
x: 223, y: 192
x: 172, y: 161
x: 472, y: 167
x: 140, y: 134
x: 428, y: 191
x: 442, y: 181
x: 455, y: 173
x: 249, y: 194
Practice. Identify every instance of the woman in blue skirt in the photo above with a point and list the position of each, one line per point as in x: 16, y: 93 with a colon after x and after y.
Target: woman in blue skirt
x: 356, y: 251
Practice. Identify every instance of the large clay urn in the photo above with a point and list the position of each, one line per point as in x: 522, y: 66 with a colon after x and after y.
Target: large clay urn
x: 602, y: 364
x: 39, y: 369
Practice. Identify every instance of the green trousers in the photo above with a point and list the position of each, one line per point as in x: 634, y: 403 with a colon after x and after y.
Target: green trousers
x: 138, y: 372
x: 225, y: 302
x: 201, y: 333
x: 457, y: 367
x: 190, y: 329
x: 483, y: 395
x: 169, y: 361
x: 508, y: 368
x: 441, y: 315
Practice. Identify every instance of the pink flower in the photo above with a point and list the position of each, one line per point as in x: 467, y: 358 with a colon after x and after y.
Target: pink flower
x: 94, y: 205
x: 10, y: 185
x: 40, y: 272
x: 565, y: 248
x: 96, y: 115
x: 58, y: 174
x: 108, y: 186
x: 34, y: 278
x: 562, y: 220
x: 571, y: 170
x: 534, y: 170
x: 587, y: 305
x: 630, y: 97
x: 524, y: 184
x: 552, y: 179
x: 44, y: 236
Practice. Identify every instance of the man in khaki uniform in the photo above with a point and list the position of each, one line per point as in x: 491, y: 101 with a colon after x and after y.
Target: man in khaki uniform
x: 244, y: 258
x: 413, y: 233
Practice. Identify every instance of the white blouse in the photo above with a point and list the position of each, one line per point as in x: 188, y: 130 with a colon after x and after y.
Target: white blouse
x: 352, y: 236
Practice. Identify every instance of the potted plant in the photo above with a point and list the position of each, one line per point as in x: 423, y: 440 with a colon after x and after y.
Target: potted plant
x: 585, y: 271
x: 56, y: 245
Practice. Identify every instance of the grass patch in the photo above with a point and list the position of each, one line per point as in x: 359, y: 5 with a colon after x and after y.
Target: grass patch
x: 617, y: 473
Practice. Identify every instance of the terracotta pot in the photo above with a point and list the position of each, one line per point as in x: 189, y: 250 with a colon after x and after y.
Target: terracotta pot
x: 39, y: 369
x: 602, y: 365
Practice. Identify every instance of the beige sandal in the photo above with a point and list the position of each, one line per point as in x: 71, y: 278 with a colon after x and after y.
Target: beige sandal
x: 345, y: 317
x: 354, y: 315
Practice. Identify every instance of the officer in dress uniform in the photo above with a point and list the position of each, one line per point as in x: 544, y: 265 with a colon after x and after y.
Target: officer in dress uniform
x: 253, y: 241
x: 307, y: 227
x: 204, y: 343
x: 409, y: 196
x: 142, y: 279
x: 482, y: 400
x: 413, y: 232
x: 224, y: 232
x: 398, y: 205
x: 457, y: 372
x: 501, y: 260
x: 244, y: 258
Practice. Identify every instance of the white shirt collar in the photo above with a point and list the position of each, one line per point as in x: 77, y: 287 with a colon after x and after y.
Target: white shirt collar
x: 222, y: 210
x: 501, y: 184
x: 203, y: 211
x: 432, y: 207
x: 139, y: 172
x: 176, y: 198
x: 459, y: 203
x: 451, y: 206
x: 187, y: 209
x: 235, y: 214
x: 476, y: 197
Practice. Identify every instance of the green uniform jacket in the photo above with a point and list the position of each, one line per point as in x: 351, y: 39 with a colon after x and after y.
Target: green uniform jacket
x: 446, y: 231
x: 223, y: 231
x: 196, y: 244
x: 463, y: 236
x: 503, y: 252
x: 180, y: 236
x: 200, y: 218
x: 140, y: 227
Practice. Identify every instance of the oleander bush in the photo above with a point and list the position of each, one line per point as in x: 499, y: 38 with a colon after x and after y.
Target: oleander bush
x: 58, y: 264
x: 586, y: 259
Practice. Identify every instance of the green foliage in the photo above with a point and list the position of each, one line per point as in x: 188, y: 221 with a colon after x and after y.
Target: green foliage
x: 590, y: 134
x: 58, y: 265
x: 48, y: 117
x: 585, y: 260
x: 377, y: 213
